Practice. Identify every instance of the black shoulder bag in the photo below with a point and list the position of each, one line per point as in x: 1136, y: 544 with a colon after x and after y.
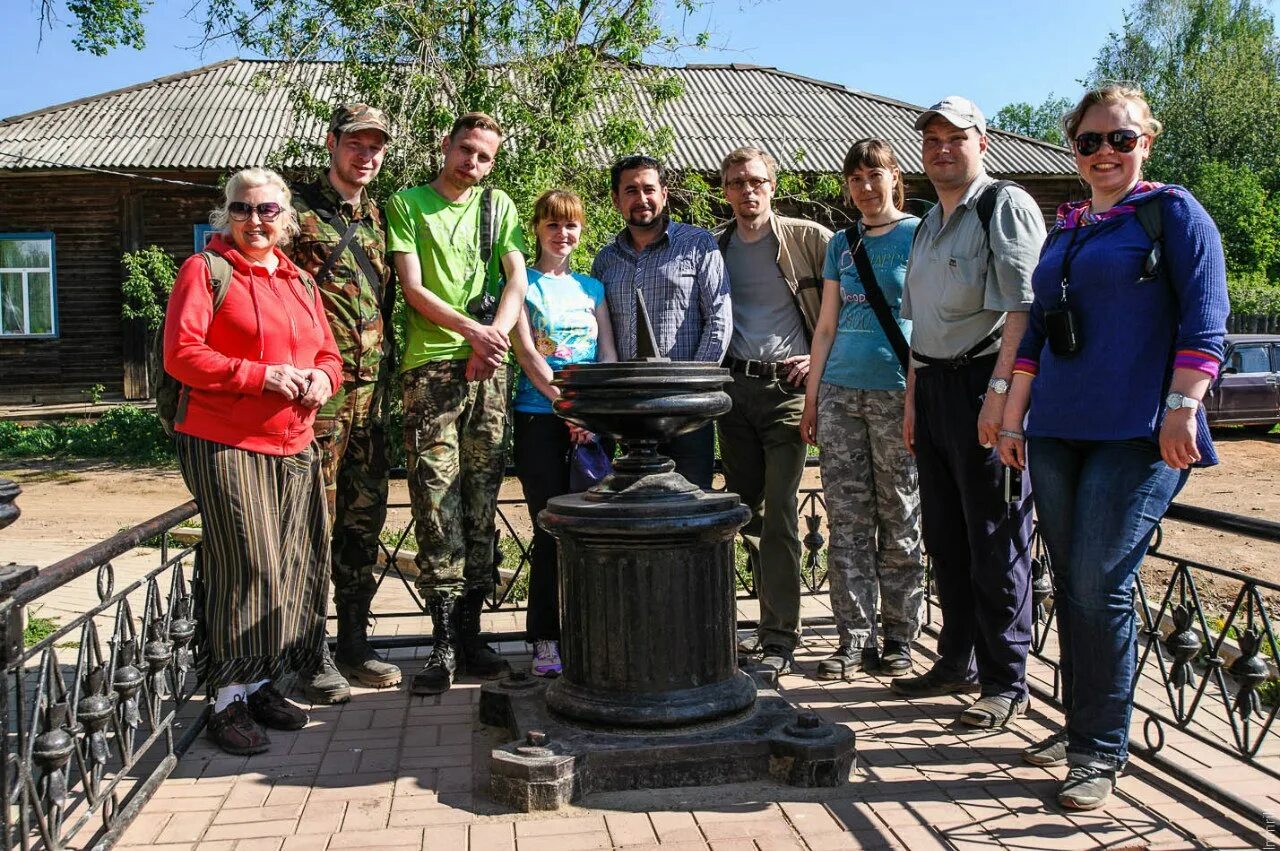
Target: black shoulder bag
x: 875, y: 297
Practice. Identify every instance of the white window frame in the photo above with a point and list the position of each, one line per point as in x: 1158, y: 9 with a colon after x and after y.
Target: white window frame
x: 26, y: 291
x: 201, y: 237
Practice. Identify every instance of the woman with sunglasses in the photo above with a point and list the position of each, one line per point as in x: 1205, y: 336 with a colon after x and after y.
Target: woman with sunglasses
x: 853, y: 413
x: 1125, y: 337
x: 256, y: 359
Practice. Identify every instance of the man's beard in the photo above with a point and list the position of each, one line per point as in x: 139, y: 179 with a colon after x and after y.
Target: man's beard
x: 658, y: 215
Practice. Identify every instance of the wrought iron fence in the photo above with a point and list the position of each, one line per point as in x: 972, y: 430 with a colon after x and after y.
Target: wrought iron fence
x: 94, y: 726
x: 93, y: 730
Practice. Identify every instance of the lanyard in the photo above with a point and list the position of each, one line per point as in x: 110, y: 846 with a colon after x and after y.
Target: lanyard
x: 1069, y: 255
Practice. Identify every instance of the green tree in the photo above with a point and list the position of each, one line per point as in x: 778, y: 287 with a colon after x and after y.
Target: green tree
x: 562, y: 76
x: 1043, y: 122
x: 100, y: 25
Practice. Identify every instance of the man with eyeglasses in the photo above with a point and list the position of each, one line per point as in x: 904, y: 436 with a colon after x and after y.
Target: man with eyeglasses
x: 775, y: 279
x: 968, y: 290
x: 680, y: 275
x: 343, y: 246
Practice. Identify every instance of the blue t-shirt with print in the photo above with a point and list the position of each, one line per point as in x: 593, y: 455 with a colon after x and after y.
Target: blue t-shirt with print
x: 861, y: 357
x: 562, y: 316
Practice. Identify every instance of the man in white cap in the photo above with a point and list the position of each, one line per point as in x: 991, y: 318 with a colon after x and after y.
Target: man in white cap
x: 967, y: 293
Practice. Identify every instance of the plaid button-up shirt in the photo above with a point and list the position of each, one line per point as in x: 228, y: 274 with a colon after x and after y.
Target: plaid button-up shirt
x: 686, y: 290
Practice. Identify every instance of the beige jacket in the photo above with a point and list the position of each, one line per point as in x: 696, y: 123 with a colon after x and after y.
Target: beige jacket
x: 802, y: 249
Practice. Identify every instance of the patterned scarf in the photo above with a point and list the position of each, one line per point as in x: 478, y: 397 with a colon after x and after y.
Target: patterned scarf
x: 1075, y: 214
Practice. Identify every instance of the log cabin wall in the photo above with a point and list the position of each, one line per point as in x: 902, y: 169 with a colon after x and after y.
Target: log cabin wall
x: 94, y: 218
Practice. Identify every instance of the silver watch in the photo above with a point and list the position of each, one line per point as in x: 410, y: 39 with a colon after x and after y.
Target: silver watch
x: 999, y: 386
x: 1176, y: 401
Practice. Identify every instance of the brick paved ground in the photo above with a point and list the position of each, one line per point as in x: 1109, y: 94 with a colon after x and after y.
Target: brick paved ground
x: 392, y: 771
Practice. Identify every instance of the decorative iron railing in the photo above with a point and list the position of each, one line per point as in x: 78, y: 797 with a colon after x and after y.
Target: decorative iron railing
x: 93, y: 730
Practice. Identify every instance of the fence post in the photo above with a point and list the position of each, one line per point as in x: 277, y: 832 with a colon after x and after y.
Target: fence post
x: 11, y: 646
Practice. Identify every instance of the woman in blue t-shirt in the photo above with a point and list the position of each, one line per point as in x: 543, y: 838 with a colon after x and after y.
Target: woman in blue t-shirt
x: 565, y: 320
x: 853, y: 413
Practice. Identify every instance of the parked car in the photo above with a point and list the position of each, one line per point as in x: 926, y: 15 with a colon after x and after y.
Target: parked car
x: 1247, y: 391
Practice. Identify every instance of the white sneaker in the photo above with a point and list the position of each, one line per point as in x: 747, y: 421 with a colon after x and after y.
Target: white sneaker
x: 546, y: 659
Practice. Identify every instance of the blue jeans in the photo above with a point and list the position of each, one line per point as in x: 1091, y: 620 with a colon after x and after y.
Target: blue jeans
x: 1097, y: 504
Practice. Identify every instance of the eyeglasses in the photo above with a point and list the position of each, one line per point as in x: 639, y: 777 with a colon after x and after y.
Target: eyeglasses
x: 752, y: 183
x: 267, y: 211
x: 1121, y: 141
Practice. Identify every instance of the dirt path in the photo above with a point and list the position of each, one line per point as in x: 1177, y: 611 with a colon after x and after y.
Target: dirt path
x: 77, y: 503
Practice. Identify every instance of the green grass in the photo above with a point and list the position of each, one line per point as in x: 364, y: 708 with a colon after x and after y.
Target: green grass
x: 123, y: 433
x: 38, y: 628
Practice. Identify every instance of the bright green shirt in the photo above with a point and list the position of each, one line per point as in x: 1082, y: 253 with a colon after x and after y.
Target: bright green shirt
x: 445, y: 236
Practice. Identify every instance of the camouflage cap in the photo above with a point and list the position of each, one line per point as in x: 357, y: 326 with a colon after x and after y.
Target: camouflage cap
x: 350, y: 117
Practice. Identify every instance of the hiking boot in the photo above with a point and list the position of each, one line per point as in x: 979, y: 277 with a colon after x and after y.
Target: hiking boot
x: 993, y: 711
x: 234, y: 730
x: 1047, y: 752
x: 355, y: 657
x: 841, y: 664
x: 270, y: 709
x: 476, y: 657
x: 896, y: 658
x: 1086, y: 787
x: 777, y: 658
x: 323, y: 684
x: 437, y: 674
x: 932, y: 683
x: 546, y: 659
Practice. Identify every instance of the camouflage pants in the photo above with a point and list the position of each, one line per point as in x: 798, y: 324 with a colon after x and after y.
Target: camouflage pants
x: 453, y: 437
x: 873, y: 513
x: 353, y: 443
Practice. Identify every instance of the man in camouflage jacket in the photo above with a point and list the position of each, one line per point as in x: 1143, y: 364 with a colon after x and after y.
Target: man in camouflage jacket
x: 350, y: 428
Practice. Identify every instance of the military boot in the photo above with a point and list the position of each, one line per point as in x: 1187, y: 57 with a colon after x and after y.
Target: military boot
x: 323, y: 684
x: 437, y: 675
x: 477, y: 658
x: 355, y: 657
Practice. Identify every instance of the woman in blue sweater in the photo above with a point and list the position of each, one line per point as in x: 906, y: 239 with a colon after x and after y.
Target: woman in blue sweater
x: 1124, y: 340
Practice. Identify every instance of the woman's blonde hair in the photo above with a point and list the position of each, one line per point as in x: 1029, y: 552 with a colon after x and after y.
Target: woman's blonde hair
x: 1113, y: 93
x: 556, y: 205
x: 251, y: 178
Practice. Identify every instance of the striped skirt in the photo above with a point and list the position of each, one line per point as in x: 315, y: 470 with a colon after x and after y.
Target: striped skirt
x: 264, y: 559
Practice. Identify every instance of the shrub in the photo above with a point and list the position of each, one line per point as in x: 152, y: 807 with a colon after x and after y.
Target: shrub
x: 124, y: 433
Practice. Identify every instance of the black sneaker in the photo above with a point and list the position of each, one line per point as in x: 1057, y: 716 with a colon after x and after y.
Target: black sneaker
x: 896, y: 658
x: 778, y: 658
x: 1086, y: 787
x: 932, y: 683
x: 234, y: 730
x: 1047, y: 752
x: 270, y: 709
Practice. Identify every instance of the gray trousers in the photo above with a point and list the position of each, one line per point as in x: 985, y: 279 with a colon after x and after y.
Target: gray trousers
x: 873, y: 515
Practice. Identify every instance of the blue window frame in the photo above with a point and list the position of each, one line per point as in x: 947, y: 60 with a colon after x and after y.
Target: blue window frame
x: 28, y: 285
x: 202, y: 236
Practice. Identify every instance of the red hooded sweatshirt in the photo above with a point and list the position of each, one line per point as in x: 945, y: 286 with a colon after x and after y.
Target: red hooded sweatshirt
x: 222, y: 358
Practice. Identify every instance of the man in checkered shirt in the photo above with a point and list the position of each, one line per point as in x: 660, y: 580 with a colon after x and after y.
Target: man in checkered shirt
x: 679, y: 271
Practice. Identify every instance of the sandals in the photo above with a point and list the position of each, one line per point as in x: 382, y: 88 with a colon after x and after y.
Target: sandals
x: 993, y: 711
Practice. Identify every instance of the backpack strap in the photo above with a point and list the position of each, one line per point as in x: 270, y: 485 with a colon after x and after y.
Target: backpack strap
x: 310, y: 193
x: 875, y: 297
x: 1151, y: 216
x: 487, y: 235
x: 219, y: 276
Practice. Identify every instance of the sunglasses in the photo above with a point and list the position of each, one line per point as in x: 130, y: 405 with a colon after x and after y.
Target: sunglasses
x: 752, y: 183
x: 267, y: 212
x: 1121, y: 141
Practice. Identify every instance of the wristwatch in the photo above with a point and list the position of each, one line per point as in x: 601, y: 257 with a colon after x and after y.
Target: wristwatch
x: 1176, y: 401
x: 998, y: 386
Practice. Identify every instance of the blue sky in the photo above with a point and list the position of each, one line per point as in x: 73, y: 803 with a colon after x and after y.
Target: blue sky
x: 993, y: 51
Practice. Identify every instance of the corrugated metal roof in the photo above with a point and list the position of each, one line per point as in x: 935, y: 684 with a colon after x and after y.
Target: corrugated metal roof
x: 216, y: 118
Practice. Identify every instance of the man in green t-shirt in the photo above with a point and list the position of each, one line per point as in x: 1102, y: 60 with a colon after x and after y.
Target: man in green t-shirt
x: 455, y: 386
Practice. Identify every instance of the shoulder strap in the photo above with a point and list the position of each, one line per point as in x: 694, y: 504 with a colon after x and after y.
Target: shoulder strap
x: 727, y: 235
x: 875, y: 297
x: 310, y: 193
x: 1151, y: 216
x: 486, y: 226
x: 986, y: 205
x: 219, y: 276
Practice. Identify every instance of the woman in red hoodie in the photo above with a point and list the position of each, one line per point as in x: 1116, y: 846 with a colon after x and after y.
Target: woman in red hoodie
x: 255, y: 367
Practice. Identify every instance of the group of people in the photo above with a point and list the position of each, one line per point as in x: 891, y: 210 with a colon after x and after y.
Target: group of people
x: 931, y: 359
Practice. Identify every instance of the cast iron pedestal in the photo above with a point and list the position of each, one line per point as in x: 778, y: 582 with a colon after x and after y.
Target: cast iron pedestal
x: 651, y: 695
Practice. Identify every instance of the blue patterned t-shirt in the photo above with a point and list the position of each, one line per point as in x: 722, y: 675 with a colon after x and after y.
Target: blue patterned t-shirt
x: 562, y: 317
x: 861, y: 357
